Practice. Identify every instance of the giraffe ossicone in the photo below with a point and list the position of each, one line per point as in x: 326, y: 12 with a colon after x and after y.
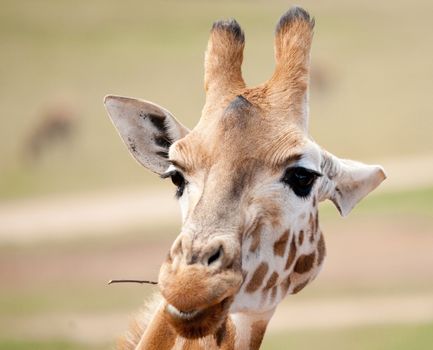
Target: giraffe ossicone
x: 248, y: 179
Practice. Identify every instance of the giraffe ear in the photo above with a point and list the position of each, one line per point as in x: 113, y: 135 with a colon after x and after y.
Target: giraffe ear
x: 346, y: 182
x: 147, y: 129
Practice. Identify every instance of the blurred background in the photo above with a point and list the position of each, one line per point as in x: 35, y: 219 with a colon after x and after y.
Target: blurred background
x: 76, y: 210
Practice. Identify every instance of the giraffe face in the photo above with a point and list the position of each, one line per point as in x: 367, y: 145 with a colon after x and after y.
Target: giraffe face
x: 248, y: 194
x: 248, y: 179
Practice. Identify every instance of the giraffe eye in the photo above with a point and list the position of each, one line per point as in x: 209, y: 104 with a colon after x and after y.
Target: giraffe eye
x: 178, y: 180
x: 300, y: 180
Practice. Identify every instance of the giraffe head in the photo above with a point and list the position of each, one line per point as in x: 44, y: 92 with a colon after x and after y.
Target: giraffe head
x: 248, y: 178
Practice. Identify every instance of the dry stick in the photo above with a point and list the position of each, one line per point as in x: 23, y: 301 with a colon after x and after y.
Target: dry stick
x: 132, y: 281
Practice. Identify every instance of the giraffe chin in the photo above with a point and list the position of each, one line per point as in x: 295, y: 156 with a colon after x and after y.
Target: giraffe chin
x: 198, y: 323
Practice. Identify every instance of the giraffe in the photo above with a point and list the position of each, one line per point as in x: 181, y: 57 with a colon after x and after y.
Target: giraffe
x: 248, y: 178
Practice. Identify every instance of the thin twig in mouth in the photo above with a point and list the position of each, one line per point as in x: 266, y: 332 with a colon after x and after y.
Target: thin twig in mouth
x: 132, y: 281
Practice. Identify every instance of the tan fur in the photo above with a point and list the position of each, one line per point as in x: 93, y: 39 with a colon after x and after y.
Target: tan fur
x: 288, y: 86
x: 191, y: 288
x: 158, y: 336
x: 223, y: 339
x: 250, y: 226
x: 198, y: 344
x: 138, y: 325
x: 223, y: 60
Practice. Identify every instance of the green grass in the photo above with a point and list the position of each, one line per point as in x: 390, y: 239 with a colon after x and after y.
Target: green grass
x: 382, y: 337
x: 375, y: 56
x: 48, y: 345
x: 417, y: 203
x: 413, y: 202
x: 71, y: 299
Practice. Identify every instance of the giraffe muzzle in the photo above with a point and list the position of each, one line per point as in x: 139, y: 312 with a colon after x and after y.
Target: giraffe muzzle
x: 197, y: 298
x: 198, y: 323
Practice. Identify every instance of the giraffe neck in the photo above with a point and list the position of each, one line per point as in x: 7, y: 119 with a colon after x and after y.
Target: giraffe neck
x: 239, y: 331
x: 250, y: 328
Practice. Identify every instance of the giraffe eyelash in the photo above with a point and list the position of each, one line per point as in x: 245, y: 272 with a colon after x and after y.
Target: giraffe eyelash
x: 178, y: 180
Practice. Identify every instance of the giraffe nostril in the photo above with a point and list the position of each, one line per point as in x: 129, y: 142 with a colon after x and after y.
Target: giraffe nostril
x: 215, y: 256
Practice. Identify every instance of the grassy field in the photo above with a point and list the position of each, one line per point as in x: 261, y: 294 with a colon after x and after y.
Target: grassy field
x: 47, y: 345
x: 375, y: 60
x: 56, y: 293
x: 401, y: 337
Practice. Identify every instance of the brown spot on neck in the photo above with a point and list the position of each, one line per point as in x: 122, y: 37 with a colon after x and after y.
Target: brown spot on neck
x: 304, y: 263
x: 321, y: 250
x: 220, y: 334
x: 292, y: 254
x: 225, y: 336
x: 281, y: 243
x: 300, y: 286
x: 314, y: 225
x: 258, y: 330
x: 301, y: 237
x: 257, y: 279
x: 274, y: 293
x: 272, y: 280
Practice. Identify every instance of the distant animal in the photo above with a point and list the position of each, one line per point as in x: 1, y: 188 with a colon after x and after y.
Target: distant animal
x: 249, y: 180
x: 56, y: 124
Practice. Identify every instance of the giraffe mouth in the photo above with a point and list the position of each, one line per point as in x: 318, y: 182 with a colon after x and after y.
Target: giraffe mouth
x: 197, y: 300
x: 199, y: 322
x: 174, y: 312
